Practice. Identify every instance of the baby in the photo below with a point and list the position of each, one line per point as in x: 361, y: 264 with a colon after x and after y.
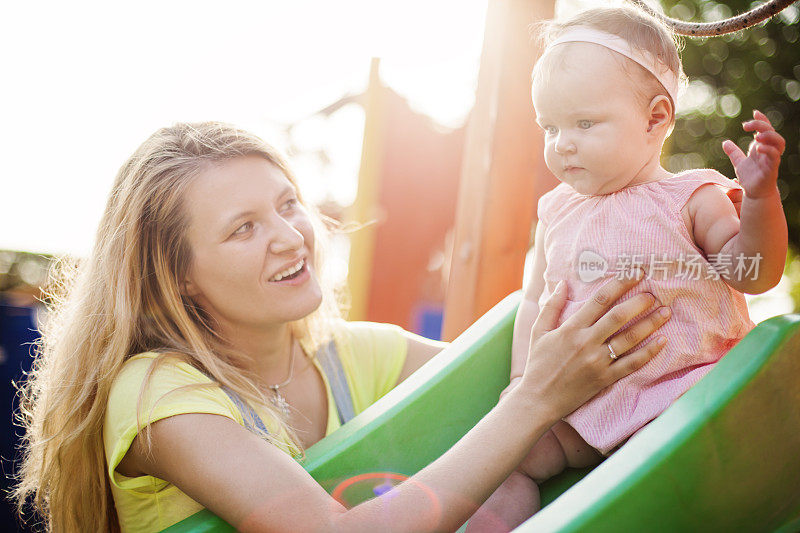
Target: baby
x: 605, y: 92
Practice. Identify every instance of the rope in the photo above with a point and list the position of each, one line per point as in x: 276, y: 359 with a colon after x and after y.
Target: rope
x: 707, y: 29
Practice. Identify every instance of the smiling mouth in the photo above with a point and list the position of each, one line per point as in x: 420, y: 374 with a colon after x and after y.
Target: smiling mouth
x: 291, y: 272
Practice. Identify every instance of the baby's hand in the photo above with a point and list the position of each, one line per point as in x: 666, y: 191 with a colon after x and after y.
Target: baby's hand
x: 758, y: 170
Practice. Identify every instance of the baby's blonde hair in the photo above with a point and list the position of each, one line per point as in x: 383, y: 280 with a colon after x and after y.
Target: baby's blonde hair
x: 638, y: 28
x: 126, y: 299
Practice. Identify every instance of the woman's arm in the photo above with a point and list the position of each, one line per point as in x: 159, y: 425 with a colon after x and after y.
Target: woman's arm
x: 420, y: 351
x: 256, y: 487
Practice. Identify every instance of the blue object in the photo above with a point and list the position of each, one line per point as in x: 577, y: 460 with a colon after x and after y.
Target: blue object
x: 17, y: 334
x: 428, y: 321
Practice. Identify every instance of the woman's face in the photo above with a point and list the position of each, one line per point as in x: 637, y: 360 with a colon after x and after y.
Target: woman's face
x: 252, y: 246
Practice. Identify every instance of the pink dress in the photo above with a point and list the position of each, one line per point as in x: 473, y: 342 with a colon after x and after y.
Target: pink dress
x: 591, y: 239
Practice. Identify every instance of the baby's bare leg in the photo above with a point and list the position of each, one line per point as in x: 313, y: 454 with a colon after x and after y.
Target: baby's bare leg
x: 518, y: 497
x: 577, y: 452
x: 510, y: 505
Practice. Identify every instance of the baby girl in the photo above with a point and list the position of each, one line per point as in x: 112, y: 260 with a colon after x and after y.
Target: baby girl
x: 604, y: 92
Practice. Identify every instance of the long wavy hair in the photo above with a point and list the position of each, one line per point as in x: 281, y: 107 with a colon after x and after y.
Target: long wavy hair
x: 126, y: 299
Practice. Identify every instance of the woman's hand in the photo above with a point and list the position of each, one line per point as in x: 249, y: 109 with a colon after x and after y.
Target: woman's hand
x: 569, y: 364
x: 257, y: 487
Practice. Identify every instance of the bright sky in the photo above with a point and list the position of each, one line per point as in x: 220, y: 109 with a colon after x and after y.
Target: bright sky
x: 84, y: 83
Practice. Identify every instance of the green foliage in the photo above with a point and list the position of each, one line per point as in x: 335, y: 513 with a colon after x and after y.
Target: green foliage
x: 792, y: 272
x: 757, y: 68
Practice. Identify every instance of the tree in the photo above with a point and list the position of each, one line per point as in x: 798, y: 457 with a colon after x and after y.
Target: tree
x: 757, y: 68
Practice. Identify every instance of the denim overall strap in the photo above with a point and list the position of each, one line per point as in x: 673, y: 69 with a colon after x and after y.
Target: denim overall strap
x: 328, y: 358
x: 245, y: 410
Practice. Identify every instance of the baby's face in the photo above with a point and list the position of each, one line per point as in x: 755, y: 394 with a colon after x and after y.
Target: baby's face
x: 595, y: 127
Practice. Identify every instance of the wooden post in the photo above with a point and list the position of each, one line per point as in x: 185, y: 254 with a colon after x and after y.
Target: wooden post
x: 363, y: 211
x: 502, y: 163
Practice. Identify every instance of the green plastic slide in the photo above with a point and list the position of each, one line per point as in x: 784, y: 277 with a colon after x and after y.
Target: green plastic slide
x: 724, y: 457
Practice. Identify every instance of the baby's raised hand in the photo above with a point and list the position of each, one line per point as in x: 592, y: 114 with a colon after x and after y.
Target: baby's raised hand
x: 758, y: 170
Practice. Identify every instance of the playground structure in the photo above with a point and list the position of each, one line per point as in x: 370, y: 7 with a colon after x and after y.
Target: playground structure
x: 396, y: 262
x: 723, y: 457
x: 502, y: 176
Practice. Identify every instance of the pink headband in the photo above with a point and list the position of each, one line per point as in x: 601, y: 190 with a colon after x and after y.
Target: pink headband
x: 651, y: 63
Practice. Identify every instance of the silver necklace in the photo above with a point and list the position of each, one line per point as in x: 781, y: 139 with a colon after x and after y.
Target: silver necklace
x: 277, y: 399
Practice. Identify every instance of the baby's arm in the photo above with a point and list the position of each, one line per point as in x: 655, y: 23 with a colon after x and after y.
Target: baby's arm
x: 762, y: 228
x: 529, y: 307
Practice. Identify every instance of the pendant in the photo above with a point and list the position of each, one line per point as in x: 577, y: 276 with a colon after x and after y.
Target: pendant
x: 280, y: 402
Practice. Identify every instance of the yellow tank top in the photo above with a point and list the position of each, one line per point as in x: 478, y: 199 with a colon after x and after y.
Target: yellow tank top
x: 372, y: 356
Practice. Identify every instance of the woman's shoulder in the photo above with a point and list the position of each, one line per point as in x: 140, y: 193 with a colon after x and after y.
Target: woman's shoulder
x: 151, y: 386
x: 359, y: 328
x: 372, y: 355
x: 363, y: 337
x: 143, y: 361
x: 158, y: 371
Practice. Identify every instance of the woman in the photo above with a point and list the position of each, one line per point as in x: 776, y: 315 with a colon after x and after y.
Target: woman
x: 180, y: 371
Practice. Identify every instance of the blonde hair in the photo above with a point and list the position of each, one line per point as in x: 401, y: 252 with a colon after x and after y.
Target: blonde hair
x: 125, y: 300
x: 639, y: 29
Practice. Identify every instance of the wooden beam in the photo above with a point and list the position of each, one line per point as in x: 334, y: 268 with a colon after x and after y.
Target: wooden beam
x: 363, y: 210
x: 502, y: 158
